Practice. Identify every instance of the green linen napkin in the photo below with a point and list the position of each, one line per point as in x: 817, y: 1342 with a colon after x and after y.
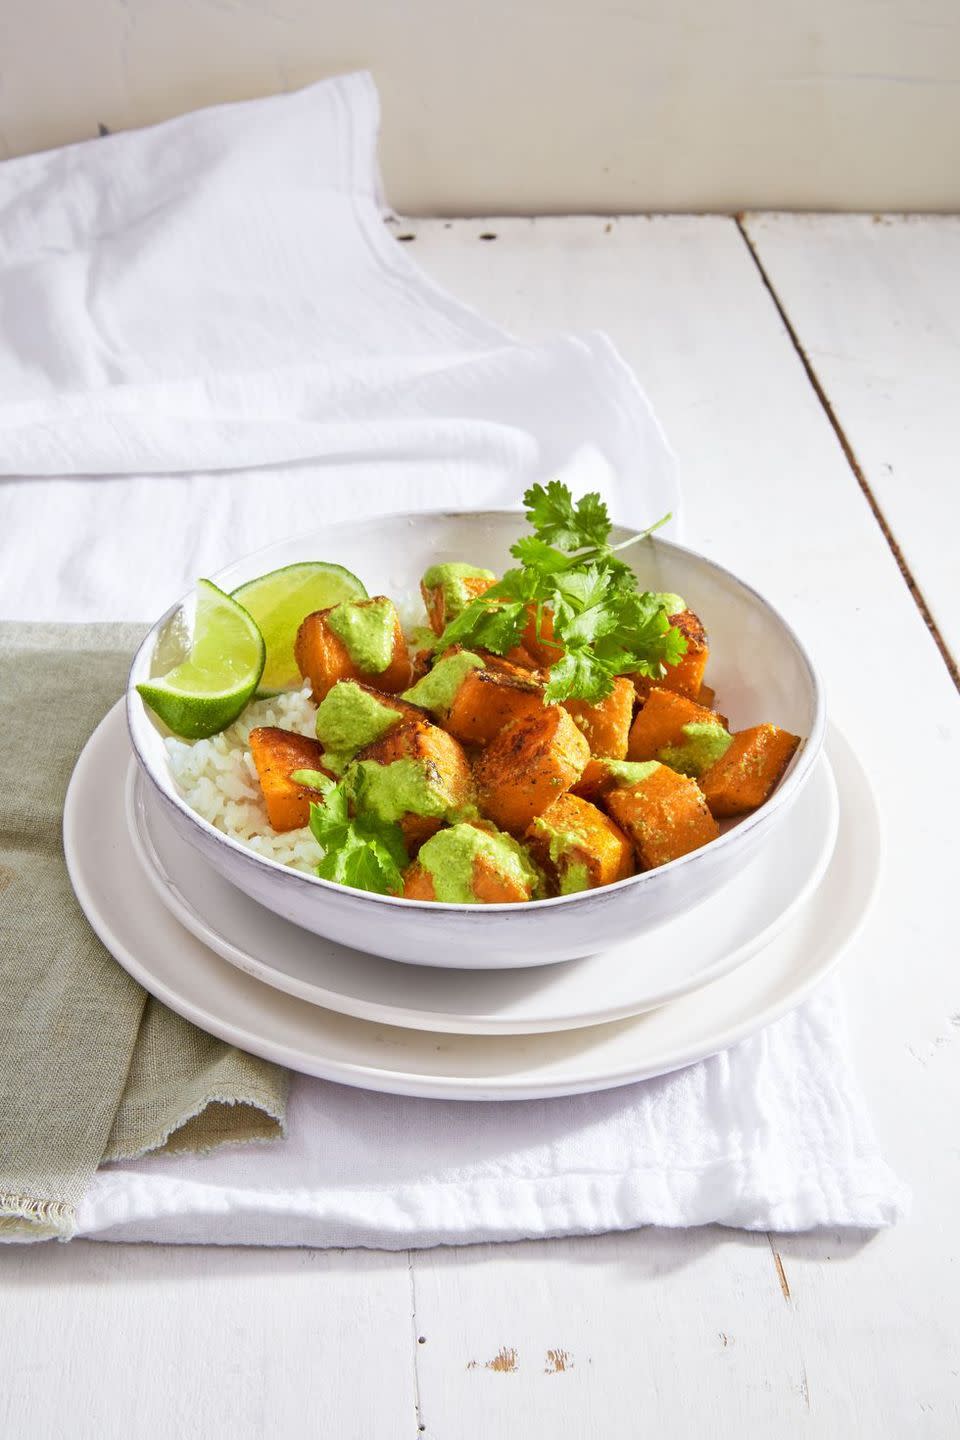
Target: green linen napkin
x: 91, y: 1068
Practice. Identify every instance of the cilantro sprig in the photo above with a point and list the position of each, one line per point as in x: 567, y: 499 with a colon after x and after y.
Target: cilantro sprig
x: 603, y: 624
x: 359, y: 850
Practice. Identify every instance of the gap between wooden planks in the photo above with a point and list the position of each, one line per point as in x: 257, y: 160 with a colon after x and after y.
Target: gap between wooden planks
x: 707, y: 1321
x: 662, y: 1333
x: 848, y: 448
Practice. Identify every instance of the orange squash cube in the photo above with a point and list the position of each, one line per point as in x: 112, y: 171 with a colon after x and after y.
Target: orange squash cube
x: 499, y: 872
x: 277, y: 754
x: 541, y: 644
x: 686, y: 677
x: 606, y: 725
x: 603, y: 775
x: 595, y: 781
x: 750, y: 771
x: 578, y: 847
x: 418, y: 883
x: 418, y: 829
x: 323, y: 657
x: 528, y: 766
x: 665, y: 816
x: 488, y: 700
x: 660, y: 723
x: 490, y: 886
x: 446, y: 769
x: 451, y: 593
x: 520, y: 658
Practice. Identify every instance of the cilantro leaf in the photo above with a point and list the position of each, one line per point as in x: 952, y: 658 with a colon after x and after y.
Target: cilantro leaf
x: 579, y: 675
x: 557, y: 521
x: 589, y: 588
x: 362, y: 851
x: 568, y: 571
x: 593, y: 521
x: 536, y: 554
x: 482, y: 626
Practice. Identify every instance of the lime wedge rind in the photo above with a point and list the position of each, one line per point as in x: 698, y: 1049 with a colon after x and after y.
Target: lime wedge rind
x: 212, y: 684
x: 279, y: 600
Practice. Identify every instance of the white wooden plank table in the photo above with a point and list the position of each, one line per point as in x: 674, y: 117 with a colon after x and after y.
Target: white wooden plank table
x: 874, y: 302
x: 652, y: 1332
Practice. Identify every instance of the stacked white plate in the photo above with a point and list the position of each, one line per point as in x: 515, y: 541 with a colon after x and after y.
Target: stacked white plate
x: 687, y: 989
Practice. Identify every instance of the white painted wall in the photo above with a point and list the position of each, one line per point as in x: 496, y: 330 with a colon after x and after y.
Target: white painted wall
x: 539, y: 105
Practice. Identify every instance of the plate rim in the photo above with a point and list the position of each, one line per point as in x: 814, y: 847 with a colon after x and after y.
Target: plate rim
x: 367, y: 1076
x: 139, y: 796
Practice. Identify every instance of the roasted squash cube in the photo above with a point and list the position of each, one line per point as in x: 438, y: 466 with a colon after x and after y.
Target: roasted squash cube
x: 487, y: 700
x: 418, y: 883
x: 528, y: 765
x: 472, y: 864
x: 539, y: 640
x: 277, y: 754
x: 352, y: 715
x: 603, y: 775
x: 665, y: 816
x: 417, y: 770
x: 578, y: 847
x: 416, y: 829
x: 686, y: 677
x: 448, y: 589
x: 606, y: 725
x: 356, y: 640
x: 750, y: 770
x: 660, y: 723
x: 519, y: 658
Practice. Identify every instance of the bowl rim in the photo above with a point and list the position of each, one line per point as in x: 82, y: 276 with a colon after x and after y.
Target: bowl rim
x: 788, y: 788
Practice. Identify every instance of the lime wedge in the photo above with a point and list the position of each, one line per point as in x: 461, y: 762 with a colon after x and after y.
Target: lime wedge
x: 278, y: 603
x: 209, y: 688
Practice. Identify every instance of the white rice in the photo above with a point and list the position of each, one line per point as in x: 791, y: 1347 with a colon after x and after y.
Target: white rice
x: 218, y: 779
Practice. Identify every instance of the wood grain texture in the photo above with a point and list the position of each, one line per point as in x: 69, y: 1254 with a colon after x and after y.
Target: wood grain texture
x: 874, y: 303
x: 143, y: 1342
x: 768, y: 491
x: 621, y: 1335
x: 648, y: 1333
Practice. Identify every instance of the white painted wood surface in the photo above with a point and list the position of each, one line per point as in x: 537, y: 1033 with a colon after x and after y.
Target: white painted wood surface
x: 647, y: 1333
x: 876, y: 301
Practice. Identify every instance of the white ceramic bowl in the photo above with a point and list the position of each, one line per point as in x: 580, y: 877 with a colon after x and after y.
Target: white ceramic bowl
x: 758, y: 667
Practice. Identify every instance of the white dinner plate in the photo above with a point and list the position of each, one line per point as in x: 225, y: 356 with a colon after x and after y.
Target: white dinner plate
x: 700, y: 945
x: 186, y: 975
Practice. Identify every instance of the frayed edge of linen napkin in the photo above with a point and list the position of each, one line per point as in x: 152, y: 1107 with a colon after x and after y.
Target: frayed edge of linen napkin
x: 91, y: 1068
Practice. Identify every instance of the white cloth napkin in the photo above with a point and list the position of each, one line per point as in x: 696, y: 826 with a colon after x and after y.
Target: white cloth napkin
x: 210, y: 341
x: 772, y: 1135
x: 220, y: 294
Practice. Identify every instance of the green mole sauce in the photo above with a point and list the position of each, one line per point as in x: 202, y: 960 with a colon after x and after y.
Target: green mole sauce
x: 449, y: 580
x: 438, y: 687
x: 566, y: 849
x: 673, y: 604
x: 629, y: 772
x: 392, y: 791
x: 574, y: 877
x: 703, y: 743
x: 366, y: 628
x: 448, y: 858
x: 347, y: 719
